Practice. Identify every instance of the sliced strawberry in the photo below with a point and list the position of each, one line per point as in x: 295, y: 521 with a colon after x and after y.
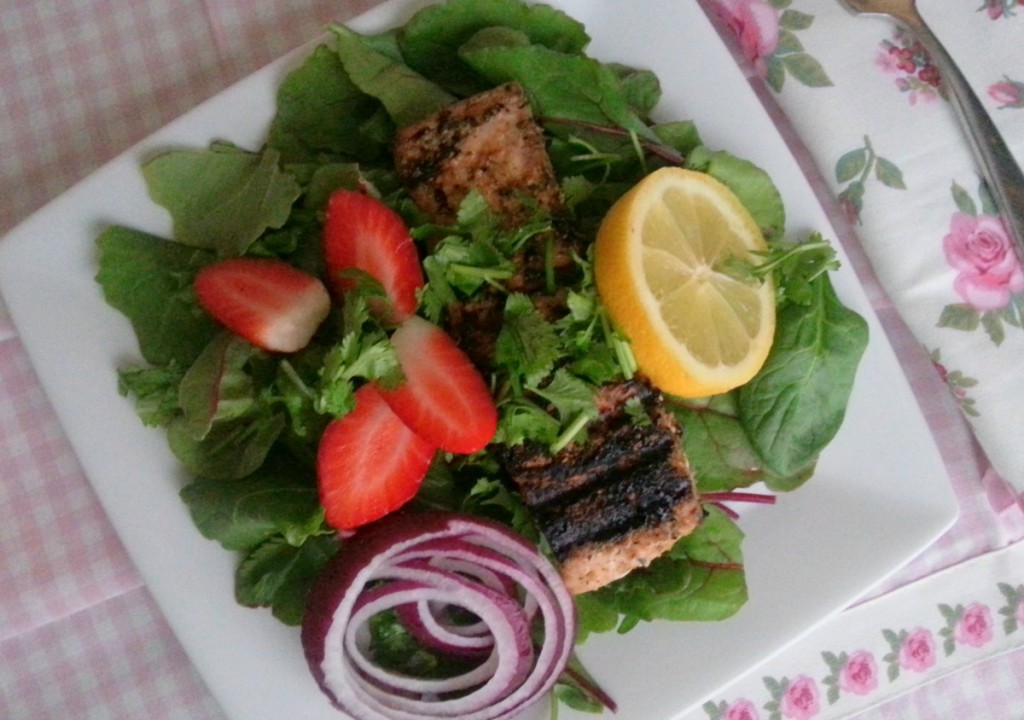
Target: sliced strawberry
x: 361, y: 232
x: 443, y: 398
x: 268, y: 302
x: 369, y: 463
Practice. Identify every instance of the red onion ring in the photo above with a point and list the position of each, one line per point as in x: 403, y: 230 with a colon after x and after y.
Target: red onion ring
x: 422, y: 565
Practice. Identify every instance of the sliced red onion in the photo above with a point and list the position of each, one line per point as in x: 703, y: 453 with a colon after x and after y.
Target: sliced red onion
x: 423, y: 566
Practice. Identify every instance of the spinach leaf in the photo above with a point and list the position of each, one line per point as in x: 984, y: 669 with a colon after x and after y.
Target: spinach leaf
x: 278, y: 575
x: 701, y: 578
x: 794, y: 406
x: 752, y: 185
x: 431, y: 40
x: 221, y: 199
x: 562, y: 86
x: 407, y: 95
x: 279, y: 498
x: 719, y: 450
x: 149, y: 280
x: 641, y: 88
x: 320, y: 109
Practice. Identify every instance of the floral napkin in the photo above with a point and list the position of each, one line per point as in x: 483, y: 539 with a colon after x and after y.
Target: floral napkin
x: 874, y: 653
x: 872, y: 110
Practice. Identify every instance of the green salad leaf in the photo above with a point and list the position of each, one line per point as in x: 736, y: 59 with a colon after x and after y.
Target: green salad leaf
x: 245, y: 423
x: 278, y: 575
x: 701, y: 578
x: 150, y: 281
x: 278, y: 498
x: 221, y: 199
x: 320, y: 110
x: 795, y: 405
x: 430, y: 42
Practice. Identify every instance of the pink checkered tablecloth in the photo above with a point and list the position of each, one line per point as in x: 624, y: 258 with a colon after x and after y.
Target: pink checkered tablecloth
x: 80, y: 636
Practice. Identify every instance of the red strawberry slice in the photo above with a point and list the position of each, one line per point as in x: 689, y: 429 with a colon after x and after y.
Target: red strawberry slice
x: 444, y: 399
x: 361, y: 232
x: 268, y: 302
x: 369, y: 463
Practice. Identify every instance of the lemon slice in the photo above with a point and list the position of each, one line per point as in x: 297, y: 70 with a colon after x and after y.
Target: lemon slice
x: 658, y: 264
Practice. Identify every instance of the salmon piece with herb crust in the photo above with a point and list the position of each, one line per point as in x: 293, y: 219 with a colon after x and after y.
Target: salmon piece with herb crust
x: 623, y: 498
x: 488, y: 142
x: 617, y: 502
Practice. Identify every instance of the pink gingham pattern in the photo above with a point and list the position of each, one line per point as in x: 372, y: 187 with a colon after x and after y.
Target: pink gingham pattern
x: 80, y: 637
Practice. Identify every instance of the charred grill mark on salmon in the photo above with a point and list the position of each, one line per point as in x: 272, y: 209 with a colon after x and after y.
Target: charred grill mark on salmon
x: 617, y: 502
x: 488, y: 142
x: 623, y: 498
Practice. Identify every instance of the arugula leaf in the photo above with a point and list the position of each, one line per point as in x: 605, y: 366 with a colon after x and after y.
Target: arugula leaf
x: 231, y: 449
x: 279, y: 498
x: 795, y: 405
x: 279, y: 575
x: 149, y: 280
x: 221, y: 199
x: 407, y: 95
x: 155, y: 390
x: 431, y: 39
x: 320, y: 109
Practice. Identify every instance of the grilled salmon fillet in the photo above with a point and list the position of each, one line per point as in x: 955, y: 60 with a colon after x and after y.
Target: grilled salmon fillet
x: 488, y: 142
x: 627, y: 495
x: 618, y: 501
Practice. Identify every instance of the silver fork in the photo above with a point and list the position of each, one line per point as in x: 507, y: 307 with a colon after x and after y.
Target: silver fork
x: 1000, y: 170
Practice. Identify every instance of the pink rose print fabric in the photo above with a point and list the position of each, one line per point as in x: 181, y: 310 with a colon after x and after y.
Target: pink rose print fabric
x: 1008, y: 94
x: 891, y: 152
x: 917, y: 651
x: 836, y: 682
x: 755, y: 24
x: 767, y: 35
x: 800, y: 700
x: 860, y: 674
x: 908, y: 63
x: 966, y: 626
x: 979, y: 249
x: 742, y: 710
x: 975, y: 626
x: 988, y: 276
x: 997, y: 9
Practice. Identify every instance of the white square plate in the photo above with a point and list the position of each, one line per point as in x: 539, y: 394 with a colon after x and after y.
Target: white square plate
x: 879, y: 497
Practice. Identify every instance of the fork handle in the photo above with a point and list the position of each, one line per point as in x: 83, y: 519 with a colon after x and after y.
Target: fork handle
x: 1001, y: 171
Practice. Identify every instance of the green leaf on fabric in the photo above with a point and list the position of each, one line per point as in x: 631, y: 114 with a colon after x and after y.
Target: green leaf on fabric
x: 851, y: 164
x: 806, y: 69
x: 889, y: 174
